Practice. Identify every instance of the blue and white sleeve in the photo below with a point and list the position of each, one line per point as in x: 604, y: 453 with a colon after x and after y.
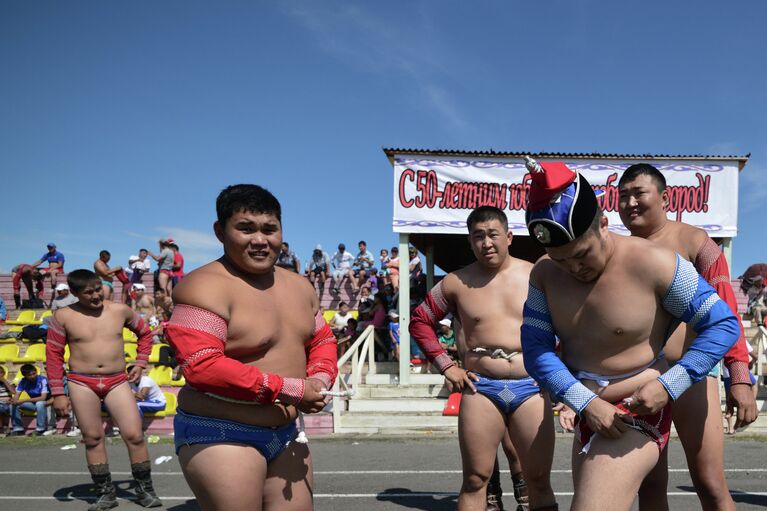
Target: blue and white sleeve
x: 691, y: 299
x: 542, y: 362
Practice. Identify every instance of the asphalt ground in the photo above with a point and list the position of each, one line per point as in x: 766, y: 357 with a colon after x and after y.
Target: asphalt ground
x: 351, y: 473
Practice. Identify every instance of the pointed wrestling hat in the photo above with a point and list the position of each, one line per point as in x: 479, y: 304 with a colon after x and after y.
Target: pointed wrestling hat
x: 561, y: 204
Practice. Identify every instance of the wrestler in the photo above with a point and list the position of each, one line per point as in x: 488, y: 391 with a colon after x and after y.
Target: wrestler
x: 611, y: 300
x: 245, y: 331
x: 498, y: 395
x: 697, y: 414
x: 143, y: 303
x: 107, y: 276
x: 30, y: 276
x: 93, y: 330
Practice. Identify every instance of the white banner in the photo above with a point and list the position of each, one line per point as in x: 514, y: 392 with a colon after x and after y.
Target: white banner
x: 435, y: 195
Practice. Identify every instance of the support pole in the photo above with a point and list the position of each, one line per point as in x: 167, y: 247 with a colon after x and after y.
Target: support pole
x: 727, y: 249
x: 404, y: 310
x: 429, y: 267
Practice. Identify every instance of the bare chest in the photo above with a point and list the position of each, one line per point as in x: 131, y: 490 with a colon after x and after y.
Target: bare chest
x: 498, y: 301
x: 86, y: 328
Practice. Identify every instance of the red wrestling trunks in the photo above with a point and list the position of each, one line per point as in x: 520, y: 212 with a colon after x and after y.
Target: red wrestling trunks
x: 656, y: 426
x: 122, y: 277
x: 101, y: 384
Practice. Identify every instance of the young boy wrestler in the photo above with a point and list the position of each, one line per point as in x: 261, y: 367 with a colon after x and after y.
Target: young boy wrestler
x: 93, y: 330
x: 611, y: 300
x: 487, y: 296
x: 254, y: 349
x: 697, y: 414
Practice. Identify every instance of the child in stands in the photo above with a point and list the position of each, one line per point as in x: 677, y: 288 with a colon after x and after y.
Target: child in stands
x: 93, y: 329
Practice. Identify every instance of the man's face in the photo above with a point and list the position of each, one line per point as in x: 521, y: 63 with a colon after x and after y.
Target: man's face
x: 362, y: 247
x: 159, y: 294
x: 105, y: 257
x: 31, y: 376
x: 51, y: 250
x: 284, y: 248
x: 251, y: 241
x: 584, y: 258
x: 344, y: 309
x: 142, y: 254
x: 641, y: 204
x: 341, y: 249
x: 490, y: 243
x: 444, y: 329
x: 62, y: 293
x: 92, y: 297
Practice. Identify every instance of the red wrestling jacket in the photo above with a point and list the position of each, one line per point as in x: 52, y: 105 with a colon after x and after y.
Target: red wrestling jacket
x: 199, y: 338
x: 57, y: 341
x: 423, y: 325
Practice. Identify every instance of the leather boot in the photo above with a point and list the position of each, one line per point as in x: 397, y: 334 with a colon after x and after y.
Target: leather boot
x: 520, y: 492
x: 105, y: 490
x: 494, y: 490
x: 145, y: 494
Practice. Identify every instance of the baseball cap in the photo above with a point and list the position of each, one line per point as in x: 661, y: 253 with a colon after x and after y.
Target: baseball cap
x: 393, y: 314
x: 51, y: 245
x: 139, y: 287
x: 62, y: 287
x: 318, y: 247
x: 445, y: 322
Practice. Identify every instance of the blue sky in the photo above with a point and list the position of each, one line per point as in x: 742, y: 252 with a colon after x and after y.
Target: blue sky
x: 121, y: 122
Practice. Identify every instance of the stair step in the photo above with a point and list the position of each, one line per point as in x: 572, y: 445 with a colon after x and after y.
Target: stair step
x: 401, y: 405
x: 367, y: 391
x: 415, y: 379
x: 395, y: 423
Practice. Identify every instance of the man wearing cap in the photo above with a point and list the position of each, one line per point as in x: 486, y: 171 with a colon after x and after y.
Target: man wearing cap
x: 611, y: 300
x: 143, y: 303
x: 697, y: 415
x: 55, y: 260
x: 63, y: 297
x: 487, y: 298
x: 342, y: 269
x: 319, y: 268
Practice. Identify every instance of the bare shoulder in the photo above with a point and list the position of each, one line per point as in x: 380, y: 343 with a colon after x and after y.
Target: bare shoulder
x: 542, y: 271
x: 207, y: 287
x: 648, y: 261
x: 300, y: 287
x: 522, y: 267
x: 119, y: 308
x: 691, y: 237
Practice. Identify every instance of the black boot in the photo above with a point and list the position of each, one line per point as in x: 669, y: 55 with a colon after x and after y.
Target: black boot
x: 17, y: 301
x: 145, y: 495
x: 107, y: 495
x: 494, y: 490
x: 520, y: 492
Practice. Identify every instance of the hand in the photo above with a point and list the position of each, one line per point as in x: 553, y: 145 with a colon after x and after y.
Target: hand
x: 566, y: 417
x: 458, y: 379
x: 741, y: 396
x: 312, y: 401
x: 61, y: 405
x: 604, y: 418
x: 15, y: 401
x: 135, y: 375
x: 649, y: 399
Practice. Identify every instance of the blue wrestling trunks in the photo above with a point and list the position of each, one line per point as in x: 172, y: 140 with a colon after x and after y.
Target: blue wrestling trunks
x: 508, y: 395
x: 195, y: 429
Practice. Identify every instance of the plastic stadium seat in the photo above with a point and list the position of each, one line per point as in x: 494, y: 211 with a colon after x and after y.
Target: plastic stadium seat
x: 25, y: 318
x: 131, y: 351
x: 154, y: 356
x: 34, y: 353
x: 9, y: 352
x: 66, y: 353
x: 170, y: 406
x: 129, y: 336
x: 161, y: 375
x: 328, y: 315
x: 45, y: 314
x: 178, y: 383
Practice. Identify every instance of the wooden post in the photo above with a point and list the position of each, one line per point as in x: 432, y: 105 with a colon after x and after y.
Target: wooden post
x: 429, y: 267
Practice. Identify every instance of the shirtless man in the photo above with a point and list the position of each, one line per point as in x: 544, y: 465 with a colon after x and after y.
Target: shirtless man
x: 163, y: 302
x: 144, y: 303
x: 107, y: 276
x: 612, y: 301
x: 254, y: 351
x: 697, y: 414
x: 498, y: 395
x: 30, y: 276
x: 93, y: 329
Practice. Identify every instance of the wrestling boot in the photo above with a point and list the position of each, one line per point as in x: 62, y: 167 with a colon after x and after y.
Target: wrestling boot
x: 520, y: 492
x: 494, y: 490
x: 107, y: 495
x: 145, y: 495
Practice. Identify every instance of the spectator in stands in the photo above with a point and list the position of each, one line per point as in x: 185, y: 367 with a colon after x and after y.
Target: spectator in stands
x: 366, y: 299
x: 373, y: 281
x: 342, y: 269
x: 143, y: 304
x: 340, y: 319
x: 757, y: 302
x: 394, y: 333
x: 393, y: 267
x: 319, y: 268
x: 6, y: 396
x: 138, y: 266
x: 178, y: 264
x: 163, y: 302
x: 387, y: 293
x: 3, y: 311
x: 36, y: 387
x: 347, y: 337
x: 414, y: 266
x: 363, y: 263
x: 446, y: 338
x: 63, y: 297
x: 107, y: 276
x: 376, y: 316
x: 149, y: 397
x: 165, y: 265
x: 287, y: 259
x: 384, y: 259
x: 55, y: 260
x: 30, y: 275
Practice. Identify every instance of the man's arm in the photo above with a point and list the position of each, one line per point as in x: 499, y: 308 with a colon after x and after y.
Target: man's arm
x: 56, y: 340
x: 136, y: 324
x: 424, y: 322
x: 322, y: 353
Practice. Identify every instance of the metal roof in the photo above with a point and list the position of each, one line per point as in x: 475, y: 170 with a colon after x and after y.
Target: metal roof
x: 391, y: 151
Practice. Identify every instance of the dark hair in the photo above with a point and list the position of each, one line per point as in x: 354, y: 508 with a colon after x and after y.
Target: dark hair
x: 105, y: 252
x: 248, y: 198
x: 79, y: 280
x: 639, y: 169
x: 286, y: 244
x: 394, y: 249
x: 485, y: 214
x: 342, y: 304
x: 143, y: 250
x: 362, y: 242
x: 28, y: 368
x: 130, y: 367
x: 352, y: 319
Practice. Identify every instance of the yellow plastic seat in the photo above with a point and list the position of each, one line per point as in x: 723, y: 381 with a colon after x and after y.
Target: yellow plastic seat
x: 178, y: 383
x: 170, y: 406
x: 24, y: 411
x: 328, y: 315
x: 25, y: 318
x: 355, y: 314
x: 161, y: 375
x: 34, y: 353
x: 46, y: 314
x: 131, y: 350
x: 66, y: 353
x: 154, y: 356
x: 9, y: 352
x: 17, y: 328
x: 129, y: 336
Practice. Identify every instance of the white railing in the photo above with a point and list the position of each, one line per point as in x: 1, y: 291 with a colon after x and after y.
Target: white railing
x: 360, y: 352
x: 759, y: 341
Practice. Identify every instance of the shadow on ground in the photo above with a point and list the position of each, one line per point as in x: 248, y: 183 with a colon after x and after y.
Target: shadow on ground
x: 418, y: 500
x: 85, y: 492
x: 739, y: 498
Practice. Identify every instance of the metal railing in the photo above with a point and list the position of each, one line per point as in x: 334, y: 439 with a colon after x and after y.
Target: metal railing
x: 759, y: 341
x: 360, y: 353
